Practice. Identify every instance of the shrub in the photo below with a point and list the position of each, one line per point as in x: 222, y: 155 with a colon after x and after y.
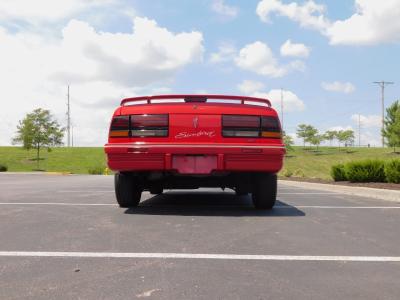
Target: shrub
x: 287, y: 173
x: 338, y: 172
x: 366, y: 171
x: 299, y: 173
x: 3, y: 168
x: 96, y: 170
x: 392, y: 171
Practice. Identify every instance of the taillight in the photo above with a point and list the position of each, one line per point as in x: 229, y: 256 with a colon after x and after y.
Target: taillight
x: 149, y: 125
x: 139, y: 126
x: 270, y: 127
x: 119, y: 126
x: 250, y: 126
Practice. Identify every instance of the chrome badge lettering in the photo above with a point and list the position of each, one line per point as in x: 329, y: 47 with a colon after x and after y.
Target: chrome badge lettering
x: 185, y: 135
x: 195, y: 122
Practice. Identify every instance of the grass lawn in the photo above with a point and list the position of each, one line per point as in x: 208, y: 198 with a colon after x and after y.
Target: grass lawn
x: 300, y: 162
x: 317, y: 164
x: 76, y: 160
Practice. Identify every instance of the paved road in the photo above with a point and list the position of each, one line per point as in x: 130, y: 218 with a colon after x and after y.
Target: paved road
x: 63, y: 237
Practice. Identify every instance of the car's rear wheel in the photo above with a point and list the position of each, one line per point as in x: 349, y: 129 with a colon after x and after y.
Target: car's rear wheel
x: 127, y: 190
x: 264, y: 193
x: 240, y: 193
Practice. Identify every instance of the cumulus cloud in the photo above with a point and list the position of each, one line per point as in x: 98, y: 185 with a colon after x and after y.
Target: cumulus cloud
x: 226, y: 52
x: 373, y: 22
x: 291, y: 102
x: 249, y: 86
x: 293, y: 49
x: 309, y: 14
x: 46, y: 10
x: 258, y: 57
x: 337, y: 86
x: 220, y: 7
x: 367, y: 121
x: 340, y: 128
x: 102, y: 68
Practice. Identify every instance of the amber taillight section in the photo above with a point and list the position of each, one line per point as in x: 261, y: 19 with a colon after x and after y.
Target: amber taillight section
x: 250, y: 126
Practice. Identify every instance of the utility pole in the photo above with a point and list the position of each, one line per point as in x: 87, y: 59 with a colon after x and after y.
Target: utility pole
x: 382, y: 85
x: 72, y: 135
x: 282, y: 108
x: 68, y: 120
x: 359, y: 131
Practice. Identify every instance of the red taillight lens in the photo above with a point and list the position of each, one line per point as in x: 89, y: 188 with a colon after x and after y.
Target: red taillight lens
x: 235, y: 121
x: 250, y: 126
x: 119, y: 126
x: 138, y: 121
x: 120, y: 123
x: 270, y: 124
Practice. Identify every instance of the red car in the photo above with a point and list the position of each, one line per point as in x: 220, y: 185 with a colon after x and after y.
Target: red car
x: 192, y: 141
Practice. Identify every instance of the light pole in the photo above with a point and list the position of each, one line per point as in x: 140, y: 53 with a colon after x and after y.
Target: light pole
x: 382, y: 85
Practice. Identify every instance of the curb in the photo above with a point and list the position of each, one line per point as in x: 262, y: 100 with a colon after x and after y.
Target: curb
x: 382, y: 194
x: 36, y: 173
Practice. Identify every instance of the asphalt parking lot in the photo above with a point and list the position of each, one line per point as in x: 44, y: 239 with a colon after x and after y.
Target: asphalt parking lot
x: 63, y: 237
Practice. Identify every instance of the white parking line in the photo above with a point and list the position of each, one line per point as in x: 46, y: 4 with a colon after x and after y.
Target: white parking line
x: 227, y: 206
x: 306, y: 193
x: 200, y: 256
x: 58, y: 203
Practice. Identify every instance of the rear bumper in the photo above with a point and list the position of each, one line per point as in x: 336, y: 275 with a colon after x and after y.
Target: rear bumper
x: 159, y: 157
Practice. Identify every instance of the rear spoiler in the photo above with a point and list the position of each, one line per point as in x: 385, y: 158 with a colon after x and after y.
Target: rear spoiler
x: 195, y: 98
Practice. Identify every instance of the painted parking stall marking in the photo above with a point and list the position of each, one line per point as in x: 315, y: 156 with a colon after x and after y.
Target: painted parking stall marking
x: 200, y: 256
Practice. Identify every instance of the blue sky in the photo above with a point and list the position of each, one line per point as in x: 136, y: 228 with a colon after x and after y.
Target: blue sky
x: 335, y: 50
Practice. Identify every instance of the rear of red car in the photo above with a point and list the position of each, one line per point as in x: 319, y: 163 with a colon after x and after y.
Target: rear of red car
x: 192, y: 141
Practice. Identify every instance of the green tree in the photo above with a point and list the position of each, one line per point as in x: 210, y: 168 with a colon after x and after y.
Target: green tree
x: 306, y: 132
x: 38, y: 130
x: 330, y: 135
x: 317, y: 139
x: 288, y: 141
x: 346, y: 137
x: 392, y: 125
x: 311, y: 133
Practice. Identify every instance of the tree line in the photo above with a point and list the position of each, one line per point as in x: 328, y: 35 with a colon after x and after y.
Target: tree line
x: 311, y: 135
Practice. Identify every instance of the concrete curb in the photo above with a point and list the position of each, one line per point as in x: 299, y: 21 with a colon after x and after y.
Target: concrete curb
x: 35, y: 173
x: 389, y: 195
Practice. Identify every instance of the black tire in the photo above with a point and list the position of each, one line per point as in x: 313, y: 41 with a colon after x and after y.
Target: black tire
x: 156, y: 191
x: 264, y: 193
x: 240, y: 193
x: 127, y: 190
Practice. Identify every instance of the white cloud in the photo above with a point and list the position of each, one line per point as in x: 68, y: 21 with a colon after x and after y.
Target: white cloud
x: 226, y: 52
x: 336, y: 86
x: 291, y: 102
x: 373, y: 22
x: 102, y: 68
x: 340, y: 128
x: 293, y: 49
x: 367, y: 121
x: 46, y: 10
x: 309, y: 14
x: 258, y: 57
x: 249, y: 86
x: 224, y: 9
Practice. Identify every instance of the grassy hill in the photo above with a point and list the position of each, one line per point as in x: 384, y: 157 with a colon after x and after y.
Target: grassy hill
x: 299, y: 162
